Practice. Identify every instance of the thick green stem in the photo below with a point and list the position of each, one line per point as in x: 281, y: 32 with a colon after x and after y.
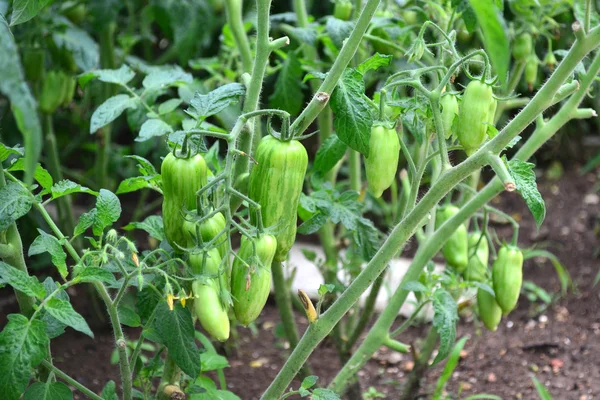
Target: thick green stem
x: 405, y: 229
x: 236, y: 23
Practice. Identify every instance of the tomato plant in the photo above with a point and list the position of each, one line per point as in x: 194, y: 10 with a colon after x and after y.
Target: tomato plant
x: 371, y: 124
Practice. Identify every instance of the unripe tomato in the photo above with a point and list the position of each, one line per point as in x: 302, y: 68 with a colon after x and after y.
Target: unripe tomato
x: 342, y: 10
x: 474, y: 115
x: 182, y: 178
x: 456, y: 248
x: 207, y: 303
x: 489, y: 311
x: 522, y: 47
x: 382, y: 163
x: 507, y: 276
x: 251, y: 284
x: 478, y: 258
x: 276, y: 183
x: 449, y: 105
x: 531, y: 71
x: 209, y: 229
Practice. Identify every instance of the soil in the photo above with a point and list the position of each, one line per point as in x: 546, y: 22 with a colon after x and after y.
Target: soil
x: 560, y: 345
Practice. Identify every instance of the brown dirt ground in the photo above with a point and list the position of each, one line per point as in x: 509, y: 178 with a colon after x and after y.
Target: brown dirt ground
x: 561, y: 346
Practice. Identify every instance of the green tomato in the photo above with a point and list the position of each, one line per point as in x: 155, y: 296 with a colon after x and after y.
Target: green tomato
x: 382, y: 163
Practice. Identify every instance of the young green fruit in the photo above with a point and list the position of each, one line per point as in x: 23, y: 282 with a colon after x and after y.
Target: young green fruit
x: 53, y: 90
x: 507, y: 277
x: 522, y: 47
x: 250, y: 284
x: 489, y: 311
x: 456, y: 248
x: 449, y: 105
x: 276, y: 183
x: 478, y: 258
x: 182, y: 178
x: 474, y: 115
x: 207, y: 303
x: 208, y: 230
x: 342, y: 10
x: 531, y: 71
x: 382, y: 163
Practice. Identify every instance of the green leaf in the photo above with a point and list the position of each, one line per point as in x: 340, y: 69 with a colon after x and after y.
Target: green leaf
x: 152, y: 128
x: 324, y: 394
x: 213, y: 361
x: 177, y: 330
x: 288, y: 87
x: 165, y: 77
x: 63, y: 311
x: 313, y: 224
x: 338, y: 30
x: 110, y: 110
x: 119, y: 76
x: 6, y: 151
x: 541, y: 389
x: 414, y: 286
x: 84, y: 50
x: 85, y: 221
x: 15, y: 201
x: 66, y: 187
x: 495, y: 38
x: 579, y: 7
x: 346, y: 210
x: 366, y: 237
x: 144, y: 166
x: 169, y: 106
x: 109, y: 392
x: 153, y: 225
x: 128, y: 317
x: 48, y: 243
x: 564, y: 277
x: 353, y: 117
x: 327, y: 288
x: 95, y: 274
x: 309, y: 382
x: 54, y: 328
x: 133, y: 184
x: 42, y: 176
x: 21, y: 281
x: 524, y: 176
x: 330, y: 152
x: 205, y: 105
x: 108, y: 210
x: 23, y: 345
x: 24, y: 10
x: 449, y: 368
x: 214, y: 394
x: 445, y: 318
x: 374, y: 62
x: 48, y: 391
x: 22, y: 102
